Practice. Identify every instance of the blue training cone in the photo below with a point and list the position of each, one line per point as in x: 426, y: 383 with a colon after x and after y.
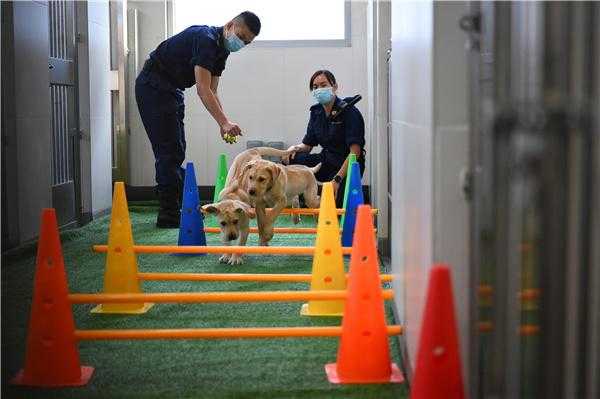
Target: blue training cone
x: 355, y: 198
x: 191, y: 226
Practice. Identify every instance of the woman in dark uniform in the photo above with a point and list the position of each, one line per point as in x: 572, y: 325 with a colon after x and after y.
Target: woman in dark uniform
x: 338, y: 137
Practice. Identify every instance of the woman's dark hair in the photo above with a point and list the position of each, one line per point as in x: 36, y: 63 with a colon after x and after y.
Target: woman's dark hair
x: 328, y: 75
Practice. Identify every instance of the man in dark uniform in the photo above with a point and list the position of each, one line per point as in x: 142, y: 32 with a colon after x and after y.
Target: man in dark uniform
x: 195, y: 56
x: 337, y: 136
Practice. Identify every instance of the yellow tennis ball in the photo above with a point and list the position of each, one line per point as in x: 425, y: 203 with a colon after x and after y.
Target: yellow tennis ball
x: 230, y: 139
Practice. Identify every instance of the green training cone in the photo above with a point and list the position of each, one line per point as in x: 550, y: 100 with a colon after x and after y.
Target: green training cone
x: 221, y: 176
x: 351, y: 160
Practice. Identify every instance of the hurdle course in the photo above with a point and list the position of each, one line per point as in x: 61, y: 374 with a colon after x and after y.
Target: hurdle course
x: 47, y: 346
x: 52, y: 357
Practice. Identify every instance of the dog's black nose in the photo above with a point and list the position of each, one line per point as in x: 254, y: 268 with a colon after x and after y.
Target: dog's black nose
x: 252, y: 191
x: 232, y: 236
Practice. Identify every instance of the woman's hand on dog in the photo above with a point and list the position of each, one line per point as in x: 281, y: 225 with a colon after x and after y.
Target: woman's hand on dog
x: 291, y: 153
x: 335, y: 186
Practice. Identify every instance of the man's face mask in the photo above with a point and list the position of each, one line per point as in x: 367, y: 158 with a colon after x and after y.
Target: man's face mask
x: 232, y: 42
x: 323, y: 95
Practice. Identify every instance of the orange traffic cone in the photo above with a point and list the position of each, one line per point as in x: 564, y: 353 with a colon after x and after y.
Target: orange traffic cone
x: 438, y: 372
x: 364, y: 353
x: 52, y: 357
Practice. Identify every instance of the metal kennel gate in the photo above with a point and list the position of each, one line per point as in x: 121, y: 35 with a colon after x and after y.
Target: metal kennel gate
x: 62, y: 66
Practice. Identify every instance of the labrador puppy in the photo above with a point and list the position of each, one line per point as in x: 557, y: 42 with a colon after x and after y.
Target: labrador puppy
x: 234, y: 217
x: 272, y: 185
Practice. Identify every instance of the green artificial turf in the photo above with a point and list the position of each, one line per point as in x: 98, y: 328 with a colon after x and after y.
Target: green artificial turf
x: 233, y: 368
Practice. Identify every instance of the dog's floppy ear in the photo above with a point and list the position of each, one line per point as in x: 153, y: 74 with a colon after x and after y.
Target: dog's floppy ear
x: 210, y: 208
x: 275, y: 171
x: 242, y: 207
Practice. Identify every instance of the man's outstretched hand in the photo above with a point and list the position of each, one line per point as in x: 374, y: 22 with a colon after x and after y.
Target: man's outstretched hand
x: 230, y: 131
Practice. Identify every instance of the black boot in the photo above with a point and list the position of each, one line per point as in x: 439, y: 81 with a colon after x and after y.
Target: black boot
x: 169, y: 211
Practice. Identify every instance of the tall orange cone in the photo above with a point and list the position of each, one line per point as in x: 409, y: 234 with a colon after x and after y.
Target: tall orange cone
x: 52, y: 357
x: 364, y: 353
x: 328, y: 262
x: 121, y: 272
x: 438, y: 372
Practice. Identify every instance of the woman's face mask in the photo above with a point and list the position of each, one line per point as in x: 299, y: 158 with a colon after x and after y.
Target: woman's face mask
x: 233, y: 43
x: 323, y: 95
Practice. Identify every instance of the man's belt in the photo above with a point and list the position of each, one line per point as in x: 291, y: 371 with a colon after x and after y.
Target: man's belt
x: 153, y: 64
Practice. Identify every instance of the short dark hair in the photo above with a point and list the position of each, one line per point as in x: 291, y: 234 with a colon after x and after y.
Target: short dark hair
x: 251, y: 21
x: 328, y: 75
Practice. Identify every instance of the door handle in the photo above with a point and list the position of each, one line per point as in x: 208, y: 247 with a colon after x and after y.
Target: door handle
x: 470, y: 23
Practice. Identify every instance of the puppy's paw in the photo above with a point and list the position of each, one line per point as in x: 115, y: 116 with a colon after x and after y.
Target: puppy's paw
x: 224, y: 259
x: 268, y: 234
x: 236, y: 260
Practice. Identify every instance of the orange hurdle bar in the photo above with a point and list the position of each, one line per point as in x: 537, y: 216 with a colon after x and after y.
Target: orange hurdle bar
x: 525, y: 329
x: 191, y: 249
x: 313, y: 211
x: 208, y: 333
x: 296, y: 278
x: 530, y: 294
x: 212, y: 297
x: 280, y: 230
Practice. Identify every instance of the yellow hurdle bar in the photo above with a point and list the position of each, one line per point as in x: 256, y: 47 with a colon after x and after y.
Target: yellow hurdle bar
x: 313, y: 211
x: 200, y: 249
x: 275, y: 278
x: 216, y: 333
x: 220, y: 297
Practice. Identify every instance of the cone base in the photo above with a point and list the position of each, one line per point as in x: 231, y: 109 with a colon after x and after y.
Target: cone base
x: 86, y: 374
x: 127, y: 309
x: 333, y: 377
x: 305, y: 311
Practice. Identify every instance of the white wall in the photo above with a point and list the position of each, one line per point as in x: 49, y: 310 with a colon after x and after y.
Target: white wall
x: 378, y: 44
x: 451, y: 155
x: 263, y: 89
x: 430, y: 139
x: 412, y: 138
x: 100, y: 107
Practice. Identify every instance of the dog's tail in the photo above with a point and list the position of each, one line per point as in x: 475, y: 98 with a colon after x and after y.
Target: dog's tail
x: 315, y: 169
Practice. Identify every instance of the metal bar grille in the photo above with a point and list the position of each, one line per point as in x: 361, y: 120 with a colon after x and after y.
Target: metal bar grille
x: 58, y: 29
x: 59, y: 98
x: 61, y: 94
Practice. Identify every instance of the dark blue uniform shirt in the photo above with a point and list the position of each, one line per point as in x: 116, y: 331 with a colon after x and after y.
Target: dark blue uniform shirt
x: 197, y: 45
x: 335, y: 137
